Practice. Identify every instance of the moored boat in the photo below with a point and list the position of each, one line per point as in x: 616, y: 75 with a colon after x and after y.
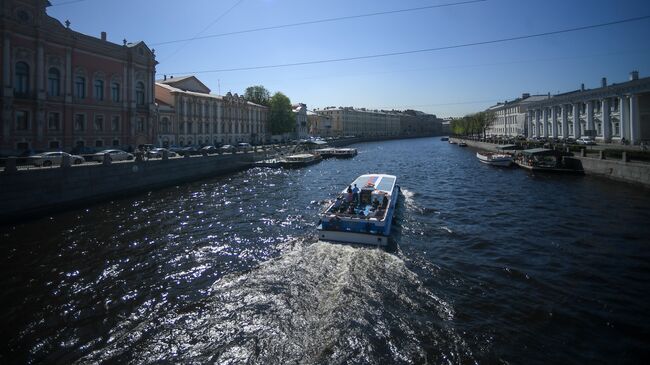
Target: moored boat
x: 544, y: 160
x: 494, y: 159
x: 462, y: 144
x: 364, y: 218
x: 300, y: 160
x: 337, y: 152
x: 444, y: 138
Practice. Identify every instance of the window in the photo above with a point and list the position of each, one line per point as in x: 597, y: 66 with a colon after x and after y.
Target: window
x: 139, y: 124
x: 22, y: 120
x: 21, y: 79
x: 116, y: 142
x: 99, y: 123
x: 115, y: 92
x: 139, y: 93
x: 80, y: 122
x: 115, y: 123
x: 81, y: 144
x: 22, y: 146
x: 54, y: 82
x: 164, y: 125
x: 189, y: 128
x: 99, y: 143
x: 54, y: 145
x: 99, y: 90
x: 80, y: 87
x: 54, y: 121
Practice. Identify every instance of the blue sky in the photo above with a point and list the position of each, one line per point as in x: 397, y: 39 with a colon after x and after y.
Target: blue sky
x: 449, y: 82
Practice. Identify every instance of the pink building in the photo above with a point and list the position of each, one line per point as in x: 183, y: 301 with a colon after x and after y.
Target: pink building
x: 62, y: 89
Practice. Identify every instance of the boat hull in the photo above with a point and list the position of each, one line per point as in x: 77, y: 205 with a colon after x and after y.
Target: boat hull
x: 492, y: 161
x: 353, y: 237
x: 298, y: 164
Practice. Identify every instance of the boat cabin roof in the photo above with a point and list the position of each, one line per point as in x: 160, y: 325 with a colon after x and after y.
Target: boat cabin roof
x: 506, y: 147
x: 381, y: 182
x: 540, y: 151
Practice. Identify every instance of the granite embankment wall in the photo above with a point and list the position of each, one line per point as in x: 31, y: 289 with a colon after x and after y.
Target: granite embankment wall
x: 631, y: 172
x: 39, y: 191
x: 618, y: 169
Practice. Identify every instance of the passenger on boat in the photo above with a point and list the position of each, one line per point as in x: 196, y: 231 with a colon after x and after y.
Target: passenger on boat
x: 384, y: 203
x: 355, y: 193
x: 375, y: 204
x: 349, y: 197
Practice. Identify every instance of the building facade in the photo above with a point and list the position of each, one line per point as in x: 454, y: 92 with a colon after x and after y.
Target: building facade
x: 63, y: 90
x: 300, y: 112
x: 414, y: 122
x: 511, y: 117
x: 609, y: 113
x: 190, y: 116
x: 320, y: 125
x: 348, y: 121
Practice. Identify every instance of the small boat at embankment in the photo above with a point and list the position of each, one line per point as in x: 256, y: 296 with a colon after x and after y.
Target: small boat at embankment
x: 300, y: 160
x: 366, y: 218
x: 544, y: 160
x: 462, y: 144
x: 444, y: 138
x: 494, y: 159
x: 337, y: 152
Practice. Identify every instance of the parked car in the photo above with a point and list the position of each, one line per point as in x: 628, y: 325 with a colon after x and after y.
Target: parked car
x: 158, y: 153
x: 585, y: 141
x: 242, y: 146
x: 191, y: 150
x: 227, y: 148
x: 115, y: 155
x: 54, y: 158
x: 209, y: 149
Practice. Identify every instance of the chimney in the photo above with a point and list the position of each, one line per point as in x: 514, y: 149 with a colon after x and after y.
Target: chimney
x: 164, y: 77
x: 171, y: 77
x: 104, y: 36
x: 525, y: 95
x: 634, y: 75
x: 603, y: 82
x: 582, y: 87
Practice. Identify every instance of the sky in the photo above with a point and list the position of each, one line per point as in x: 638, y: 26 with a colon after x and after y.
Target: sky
x: 452, y: 78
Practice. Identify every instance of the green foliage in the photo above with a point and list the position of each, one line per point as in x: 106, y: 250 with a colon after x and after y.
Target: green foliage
x: 473, y: 124
x: 281, y: 117
x: 257, y: 94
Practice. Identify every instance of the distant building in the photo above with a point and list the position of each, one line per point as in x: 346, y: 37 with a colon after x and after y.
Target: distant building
x: 511, y: 117
x: 348, y: 121
x: 300, y: 112
x: 608, y: 113
x: 189, y: 115
x: 414, y: 122
x: 62, y: 89
x: 320, y: 125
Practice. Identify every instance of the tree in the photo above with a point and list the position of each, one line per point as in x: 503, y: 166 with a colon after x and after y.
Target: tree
x: 281, y: 118
x: 257, y: 94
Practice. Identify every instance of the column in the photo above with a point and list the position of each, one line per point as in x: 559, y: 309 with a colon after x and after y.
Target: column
x: 537, y: 116
x: 565, y: 121
x: 554, y: 121
x: 7, y: 90
x: 545, y: 119
x: 607, y: 126
x: 624, y: 112
x: 590, y: 115
x: 529, y: 122
x: 635, y: 126
x: 576, y: 120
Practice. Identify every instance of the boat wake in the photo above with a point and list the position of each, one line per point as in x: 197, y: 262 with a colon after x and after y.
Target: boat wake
x: 323, y: 303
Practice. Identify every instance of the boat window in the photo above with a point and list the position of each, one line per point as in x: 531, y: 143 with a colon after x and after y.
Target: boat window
x: 386, y: 183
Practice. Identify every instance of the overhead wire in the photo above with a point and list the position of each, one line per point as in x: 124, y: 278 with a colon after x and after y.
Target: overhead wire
x: 326, y: 20
x: 433, y: 49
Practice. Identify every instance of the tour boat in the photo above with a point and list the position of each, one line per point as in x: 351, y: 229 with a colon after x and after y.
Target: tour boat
x: 366, y: 219
x: 494, y: 159
x: 300, y: 160
x: 337, y: 152
x: 545, y: 160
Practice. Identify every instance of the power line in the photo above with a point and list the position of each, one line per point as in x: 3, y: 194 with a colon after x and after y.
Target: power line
x: 67, y: 2
x: 464, y: 45
x: 326, y: 20
x: 196, y: 36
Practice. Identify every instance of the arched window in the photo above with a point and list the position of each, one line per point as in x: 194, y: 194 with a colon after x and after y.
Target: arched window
x: 115, y: 92
x: 139, y: 93
x: 21, y: 78
x: 99, y: 89
x: 80, y: 87
x: 54, y: 82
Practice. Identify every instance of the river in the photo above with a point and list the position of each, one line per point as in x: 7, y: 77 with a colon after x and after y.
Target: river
x: 490, y: 266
